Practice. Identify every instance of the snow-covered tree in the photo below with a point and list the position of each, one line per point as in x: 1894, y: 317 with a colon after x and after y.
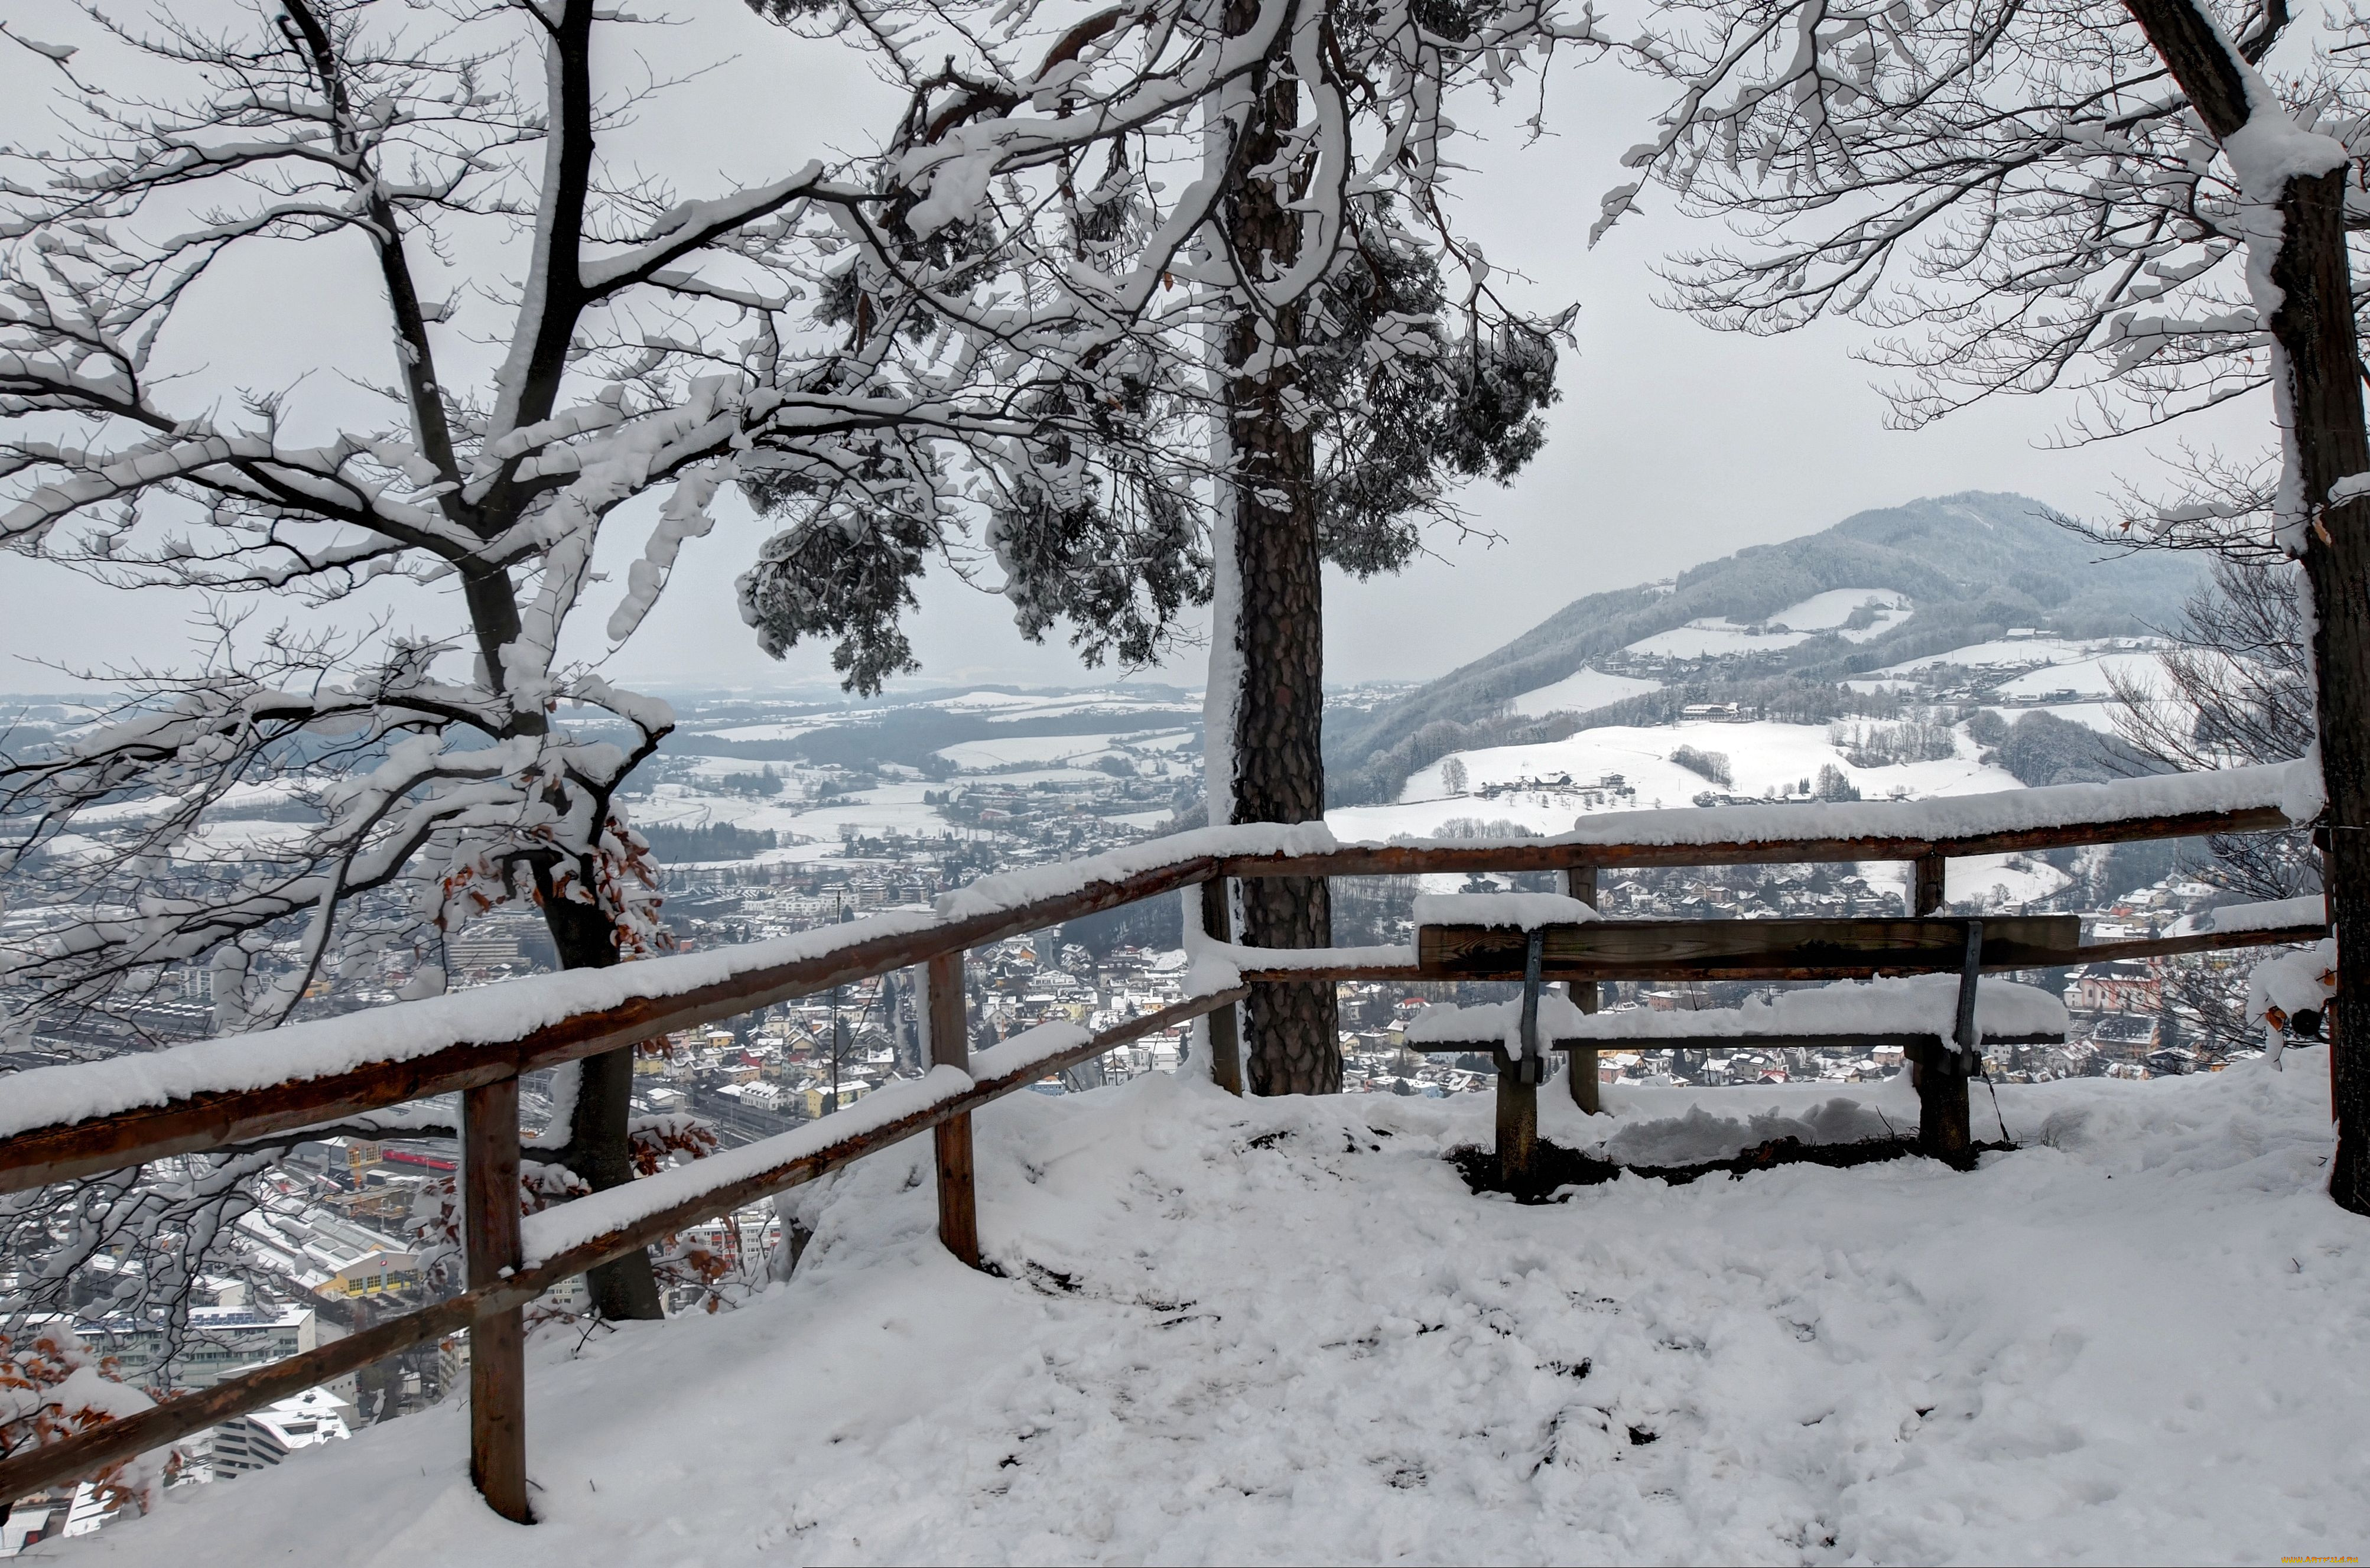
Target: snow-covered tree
x: 1346, y: 346
x: 1354, y: 387
x: 563, y: 345
x: 2232, y: 689
x: 2149, y: 201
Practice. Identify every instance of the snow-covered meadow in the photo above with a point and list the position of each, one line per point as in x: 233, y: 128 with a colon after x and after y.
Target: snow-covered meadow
x: 1283, y: 1331
x: 1583, y: 691
x: 1763, y: 753
x: 1796, y: 623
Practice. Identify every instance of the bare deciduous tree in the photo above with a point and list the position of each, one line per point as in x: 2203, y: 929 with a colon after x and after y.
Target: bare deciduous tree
x: 563, y: 345
x: 2130, y: 200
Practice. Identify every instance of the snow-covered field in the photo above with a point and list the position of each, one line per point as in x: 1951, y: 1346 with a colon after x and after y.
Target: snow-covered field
x: 1037, y: 704
x: 897, y: 806
x: 1580, y: 691
x: 1283, y: 1331
x: 1007, y: 751
x: 1761, y: 753
x: 763, y: 733
x: 2099, y: 715
x: 1711, y: 638
x: 1004, y: 751
x: 1828, y: 611
x: 1821, y: 612
x: 2088, y: 677
x: 2015, y: 650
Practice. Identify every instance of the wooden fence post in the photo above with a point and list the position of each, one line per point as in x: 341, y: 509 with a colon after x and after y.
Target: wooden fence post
x: 490, y: 1203
x: 1579, y: 881
x: 942, y: 986
x: 1225, y: 1044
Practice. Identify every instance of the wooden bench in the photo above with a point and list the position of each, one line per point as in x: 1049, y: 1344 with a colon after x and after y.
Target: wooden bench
x: 1587, y: 951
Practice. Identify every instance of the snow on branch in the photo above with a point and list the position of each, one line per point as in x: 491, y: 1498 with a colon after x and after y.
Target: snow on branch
x: 2021, y: 196
x: 628, y: 355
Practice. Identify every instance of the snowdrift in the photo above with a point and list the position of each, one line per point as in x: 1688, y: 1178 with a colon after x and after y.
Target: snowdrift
x: 1283, y: 1331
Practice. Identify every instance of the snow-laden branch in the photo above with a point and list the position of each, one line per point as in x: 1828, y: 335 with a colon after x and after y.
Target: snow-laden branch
x: 2022, y: 195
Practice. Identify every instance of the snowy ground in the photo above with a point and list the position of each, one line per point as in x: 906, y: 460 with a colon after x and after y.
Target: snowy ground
x: 1711, y: 640
x: 1283, y: 1331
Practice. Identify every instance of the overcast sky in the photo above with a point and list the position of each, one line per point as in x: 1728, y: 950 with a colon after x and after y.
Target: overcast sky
x: 1673, y: 445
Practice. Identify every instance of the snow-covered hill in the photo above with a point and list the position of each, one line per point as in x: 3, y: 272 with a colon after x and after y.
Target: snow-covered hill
x: 1546, y: 788
x: 1283, y: 1331
x: 1899, y: 585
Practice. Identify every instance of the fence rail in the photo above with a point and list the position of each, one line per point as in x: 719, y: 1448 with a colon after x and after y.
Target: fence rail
x: 178, y: 1417
x: 213, y: 1095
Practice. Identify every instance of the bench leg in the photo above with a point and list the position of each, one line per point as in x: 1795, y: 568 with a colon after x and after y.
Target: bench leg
x: 1518, y: 1129
x: 1944, y: 1123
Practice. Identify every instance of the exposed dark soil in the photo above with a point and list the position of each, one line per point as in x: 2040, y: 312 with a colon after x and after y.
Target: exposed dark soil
x: 1558, y: 1169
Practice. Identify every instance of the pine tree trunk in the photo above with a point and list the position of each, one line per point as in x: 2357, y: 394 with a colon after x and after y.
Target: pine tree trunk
x: 598, y: 1147
x: 1291, y: 1044
x: 2316, y: 324
x: 2314, y: 328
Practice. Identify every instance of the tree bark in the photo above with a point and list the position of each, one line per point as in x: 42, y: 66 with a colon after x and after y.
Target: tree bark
x: 1291, y: 1044
x: 2314, y: 328
x: 599, y: 1148
x: 2316, y: 324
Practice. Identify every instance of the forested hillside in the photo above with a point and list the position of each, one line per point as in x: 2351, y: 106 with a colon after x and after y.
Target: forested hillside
x: 1974, y: 566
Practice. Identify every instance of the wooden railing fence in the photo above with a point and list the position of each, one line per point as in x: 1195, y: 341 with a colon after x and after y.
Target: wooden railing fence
x: 512, y: 1262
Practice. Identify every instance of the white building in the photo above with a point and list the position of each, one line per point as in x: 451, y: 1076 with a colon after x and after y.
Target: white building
x: 327, y: 1254
x: 26, y: 1525
x: 261, y: 1438
x: 220, y: 1340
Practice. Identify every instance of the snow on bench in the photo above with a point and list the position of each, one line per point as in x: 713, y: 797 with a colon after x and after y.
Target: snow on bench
x: 1921, y: 1004
x: 1520, y: 911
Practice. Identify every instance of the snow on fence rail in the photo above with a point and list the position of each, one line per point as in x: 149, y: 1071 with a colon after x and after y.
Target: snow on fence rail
x: 574, y: 1237
x: 61, y: 1123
